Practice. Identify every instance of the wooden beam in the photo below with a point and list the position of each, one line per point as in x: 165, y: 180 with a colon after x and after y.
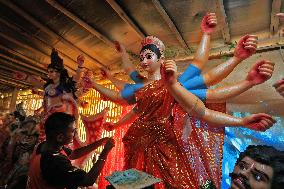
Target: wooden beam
x: 264, y: 45
x: 10, y: 78
x: 17, y: 54
x: 32, y: 49
x: 7, y: 83
x: 79, y: 21
x: 230, y: 53
x: 223, y: 21
x: 4, y: 82
x: 23, y: 45
x: 15, y: 84
x: 37, y: 40
x: 5, y: 87
x: 6, y: 68
x: 126, y: 18
x: 9, y: 69
x: 22, y: 64
x: 170, y: 23
x: 17, y: 65
x: 48, y: 31
x: 274, y: 23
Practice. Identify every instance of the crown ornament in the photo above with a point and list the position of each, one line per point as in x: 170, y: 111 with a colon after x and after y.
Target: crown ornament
x: 155, y: 41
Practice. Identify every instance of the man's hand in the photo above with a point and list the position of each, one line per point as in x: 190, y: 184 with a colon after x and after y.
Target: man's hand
x: 110, y: 143
x: 105, y: 140
x: 260, y: 72
x: 209, y: 23
x: 246, y: 47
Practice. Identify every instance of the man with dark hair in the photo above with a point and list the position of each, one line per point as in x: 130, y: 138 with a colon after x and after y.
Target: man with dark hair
x: 259, y: 167
x: 50, y: 165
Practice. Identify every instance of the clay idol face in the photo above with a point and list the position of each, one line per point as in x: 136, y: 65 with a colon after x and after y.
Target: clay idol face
x: 149, y: 61
x: 152, y: 50
x: 52, y: 73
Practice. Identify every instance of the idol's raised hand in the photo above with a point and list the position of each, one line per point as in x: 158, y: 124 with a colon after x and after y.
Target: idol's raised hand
x: 281, y: 16
x: 258, y: 122
x: 105, y: 72
x: 246, y: 47
x: 279, y: 86
x: 209, y: 23
x: 169, y: 72
x: 80, y: 60
x: 126, y: 62
x: 119, y: 48
x: 260, y: 72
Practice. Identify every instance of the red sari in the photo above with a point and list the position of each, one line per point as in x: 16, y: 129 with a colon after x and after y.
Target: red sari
x: 156, y: 143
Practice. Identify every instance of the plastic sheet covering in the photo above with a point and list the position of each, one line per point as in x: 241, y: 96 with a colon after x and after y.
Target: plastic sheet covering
x: 237, y: 139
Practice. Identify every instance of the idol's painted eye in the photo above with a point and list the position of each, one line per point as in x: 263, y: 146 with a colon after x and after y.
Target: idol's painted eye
x: 149, y: 56
x: 51, y: 71
x: 141, y: 58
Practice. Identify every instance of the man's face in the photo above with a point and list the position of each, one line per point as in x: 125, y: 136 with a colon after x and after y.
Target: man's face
x: 250, y: 174
x: 70, y: 134
x: 67, y: 138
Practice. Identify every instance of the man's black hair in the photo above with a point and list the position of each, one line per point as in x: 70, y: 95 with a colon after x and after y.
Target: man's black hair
x: 270, y: 156
x: 57, y: 123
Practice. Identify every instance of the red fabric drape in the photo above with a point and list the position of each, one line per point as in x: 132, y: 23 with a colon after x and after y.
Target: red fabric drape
x: 115, y: 159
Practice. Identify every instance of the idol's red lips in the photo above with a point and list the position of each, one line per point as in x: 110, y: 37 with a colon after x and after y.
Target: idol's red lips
x: 145, y: 65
